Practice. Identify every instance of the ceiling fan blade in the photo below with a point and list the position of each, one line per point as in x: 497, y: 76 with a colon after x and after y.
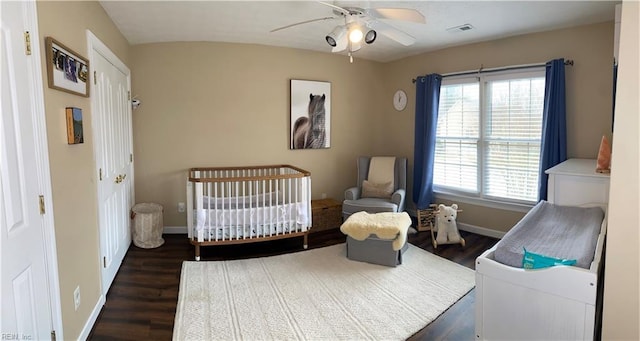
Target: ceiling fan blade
x: 301, y: 23
x: 405, y: 14
x: 338, y: 8
x: 392, y: 32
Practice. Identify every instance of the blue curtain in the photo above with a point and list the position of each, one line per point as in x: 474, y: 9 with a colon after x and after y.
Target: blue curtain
x: 427, y: 101
x: 554, y: 123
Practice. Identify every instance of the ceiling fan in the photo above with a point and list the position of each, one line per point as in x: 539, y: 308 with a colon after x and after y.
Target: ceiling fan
x: 363, y: 24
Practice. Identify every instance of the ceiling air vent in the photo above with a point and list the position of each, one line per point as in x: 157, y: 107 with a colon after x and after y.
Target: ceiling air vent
x: 461, y: 28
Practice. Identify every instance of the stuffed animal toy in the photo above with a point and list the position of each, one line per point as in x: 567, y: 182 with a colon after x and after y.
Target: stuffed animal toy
x: 446, y: 225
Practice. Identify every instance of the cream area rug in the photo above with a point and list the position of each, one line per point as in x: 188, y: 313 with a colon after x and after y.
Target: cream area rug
x: 316, y: 294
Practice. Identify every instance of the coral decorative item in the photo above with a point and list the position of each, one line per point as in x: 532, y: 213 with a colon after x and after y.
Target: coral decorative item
x: 604, y: 156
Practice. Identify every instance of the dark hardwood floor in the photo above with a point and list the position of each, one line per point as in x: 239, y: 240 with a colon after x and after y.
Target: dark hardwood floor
x: 141, y: 303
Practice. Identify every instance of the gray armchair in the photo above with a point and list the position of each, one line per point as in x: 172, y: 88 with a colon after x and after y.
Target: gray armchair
x: 395, y: 203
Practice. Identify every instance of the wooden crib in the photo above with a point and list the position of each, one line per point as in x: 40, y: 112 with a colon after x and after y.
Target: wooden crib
x: 234, y: 205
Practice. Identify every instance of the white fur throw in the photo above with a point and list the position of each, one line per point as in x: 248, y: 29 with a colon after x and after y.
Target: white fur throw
x: 386, y: 225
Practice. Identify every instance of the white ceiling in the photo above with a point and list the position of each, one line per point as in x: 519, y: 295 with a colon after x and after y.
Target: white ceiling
x: 251, y: 22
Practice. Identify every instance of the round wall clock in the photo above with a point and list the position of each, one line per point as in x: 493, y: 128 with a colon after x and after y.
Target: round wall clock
x: 400, y: 100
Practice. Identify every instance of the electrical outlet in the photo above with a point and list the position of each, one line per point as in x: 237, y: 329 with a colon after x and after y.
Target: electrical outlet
x: 76, y: 297
x: 323, y: 196
x: 181, y: 207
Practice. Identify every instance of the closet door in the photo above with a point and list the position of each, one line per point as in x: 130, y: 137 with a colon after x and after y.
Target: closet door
x: 114, y: 162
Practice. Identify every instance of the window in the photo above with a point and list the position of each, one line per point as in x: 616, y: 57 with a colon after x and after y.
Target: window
x: 488, y: 136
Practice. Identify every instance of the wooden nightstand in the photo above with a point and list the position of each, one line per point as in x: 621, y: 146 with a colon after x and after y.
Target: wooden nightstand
x: 327, y: 214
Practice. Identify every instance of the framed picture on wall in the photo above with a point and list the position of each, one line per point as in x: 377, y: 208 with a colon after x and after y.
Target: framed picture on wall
x: 310, y: 111
x: 66, y: 70
x: 75, y: 132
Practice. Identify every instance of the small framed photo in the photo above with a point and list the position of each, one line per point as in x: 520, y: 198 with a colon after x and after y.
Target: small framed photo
x: 75, y: 133
x: 66, y: 70
x: 310, y: 111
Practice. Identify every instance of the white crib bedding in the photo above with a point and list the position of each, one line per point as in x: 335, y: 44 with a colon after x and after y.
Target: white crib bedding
x: 564, y: 232
x: 254, y: 221
x: 239, y: 232
x: 247, y: 201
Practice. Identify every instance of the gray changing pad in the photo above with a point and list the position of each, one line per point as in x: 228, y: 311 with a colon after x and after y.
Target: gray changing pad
x: 565, y: 232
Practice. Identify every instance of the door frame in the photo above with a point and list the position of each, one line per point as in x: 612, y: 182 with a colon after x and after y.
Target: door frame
x: 95, y: 45
x: 43, y: 169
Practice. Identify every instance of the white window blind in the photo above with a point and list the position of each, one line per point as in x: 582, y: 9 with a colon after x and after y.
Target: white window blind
x: 488, y: 136
x: 457, y: 137
x: 513, y: 128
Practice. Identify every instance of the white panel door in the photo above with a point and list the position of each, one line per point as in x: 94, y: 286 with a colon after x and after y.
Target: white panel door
x: 25, y: 300
x: 112, y: 112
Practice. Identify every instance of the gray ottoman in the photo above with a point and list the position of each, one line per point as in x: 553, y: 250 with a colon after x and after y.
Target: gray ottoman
x: 374, y: 250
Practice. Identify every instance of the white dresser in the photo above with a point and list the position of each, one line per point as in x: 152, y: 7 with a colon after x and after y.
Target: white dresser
x: 575, y: 182
x: 555, y: 303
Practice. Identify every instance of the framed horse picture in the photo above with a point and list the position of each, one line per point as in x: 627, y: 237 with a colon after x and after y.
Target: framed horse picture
x: 310, y: 109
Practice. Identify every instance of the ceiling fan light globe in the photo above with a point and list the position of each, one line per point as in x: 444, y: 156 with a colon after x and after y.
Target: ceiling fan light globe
x: 331, y: 41
x: 355, y: 35
x: 370, y: 37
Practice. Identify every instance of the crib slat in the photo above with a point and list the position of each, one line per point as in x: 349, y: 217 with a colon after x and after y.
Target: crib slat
x: 265, y: 226
x: 287, y: 223
x: 270, y: 213
x: 297, y: 199
x: 215, y: 216
x: 276, y: 208
x: 223, y: 209
x: 251, y: 222
x: 209, y: 208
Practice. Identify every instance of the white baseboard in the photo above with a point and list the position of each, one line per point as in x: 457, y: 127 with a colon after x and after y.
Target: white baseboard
x: 84, y: 334
x: 175, y: 230
x: 483, y: 231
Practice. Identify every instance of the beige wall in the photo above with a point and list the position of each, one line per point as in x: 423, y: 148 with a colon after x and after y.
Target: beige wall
x: 621, y: 316
x: 219, y: 104
x: 73, y: 174
x: 588, y: 88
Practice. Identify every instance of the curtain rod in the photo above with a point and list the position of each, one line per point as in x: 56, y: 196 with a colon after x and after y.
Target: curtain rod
x: 505, y: 68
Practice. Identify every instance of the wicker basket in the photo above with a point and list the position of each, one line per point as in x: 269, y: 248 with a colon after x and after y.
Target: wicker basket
x: 327, y: 214
x: 147, y: 225
x: 426, y: 218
